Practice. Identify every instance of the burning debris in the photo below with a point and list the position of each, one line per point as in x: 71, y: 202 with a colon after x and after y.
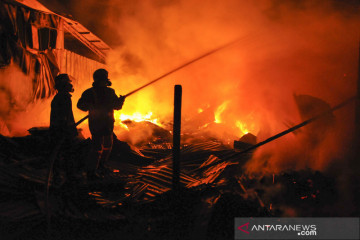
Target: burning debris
x: 140, y: 182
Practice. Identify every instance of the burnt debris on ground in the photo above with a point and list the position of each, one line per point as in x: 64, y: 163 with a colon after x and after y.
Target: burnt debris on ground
x: 134, y: 199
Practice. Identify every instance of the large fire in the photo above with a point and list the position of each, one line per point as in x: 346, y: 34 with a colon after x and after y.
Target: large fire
x: 287, y: 48
x: 241, y: 127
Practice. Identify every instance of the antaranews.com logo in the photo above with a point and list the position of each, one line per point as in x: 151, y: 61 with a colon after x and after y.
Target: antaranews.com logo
x: 301, y: 230
x: 296, y: 228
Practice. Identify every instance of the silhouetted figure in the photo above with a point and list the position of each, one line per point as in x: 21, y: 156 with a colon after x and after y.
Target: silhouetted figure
x: 62, y: 129
x: 100, y: 101
x: 62, y: 123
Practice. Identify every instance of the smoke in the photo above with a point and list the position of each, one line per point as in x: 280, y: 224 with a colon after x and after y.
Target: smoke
x: 17, y: 111
x: 286, y: 47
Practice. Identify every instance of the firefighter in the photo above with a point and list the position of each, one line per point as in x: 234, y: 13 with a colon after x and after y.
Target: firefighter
x: 62, y: 123
x: 100, y: 101
x: 62, y: 129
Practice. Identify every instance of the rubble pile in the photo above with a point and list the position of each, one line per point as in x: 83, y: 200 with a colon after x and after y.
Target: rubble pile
x: 137, y: 196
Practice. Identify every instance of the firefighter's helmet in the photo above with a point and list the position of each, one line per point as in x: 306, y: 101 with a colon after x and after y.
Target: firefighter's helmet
x: 62, y: 82
x: 102, y: 75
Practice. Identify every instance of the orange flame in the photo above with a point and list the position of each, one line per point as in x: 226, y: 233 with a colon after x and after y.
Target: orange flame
x: 242, y: 127
x: 220, y: 110
x: 136, y: 117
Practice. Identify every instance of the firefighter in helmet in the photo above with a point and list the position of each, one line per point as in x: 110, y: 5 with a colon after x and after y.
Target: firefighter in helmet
x: 101, y: 101
x: 62, y: 123
x: 63, y: 131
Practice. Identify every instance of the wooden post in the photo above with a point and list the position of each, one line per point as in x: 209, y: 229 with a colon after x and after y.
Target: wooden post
x: 176, y: 136
x: 357, y: 116
x: 354, y: 177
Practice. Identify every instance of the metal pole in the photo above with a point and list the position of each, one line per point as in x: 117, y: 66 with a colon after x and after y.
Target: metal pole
x: 176, y: 136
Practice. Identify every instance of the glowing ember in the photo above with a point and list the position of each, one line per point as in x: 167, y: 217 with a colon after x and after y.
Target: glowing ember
x: 200, y: 110
x: 220, y: 110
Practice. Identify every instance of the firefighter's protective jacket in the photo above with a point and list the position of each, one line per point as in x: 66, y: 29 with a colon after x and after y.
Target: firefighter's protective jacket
x: 101, y: 103
x: 62, y: 123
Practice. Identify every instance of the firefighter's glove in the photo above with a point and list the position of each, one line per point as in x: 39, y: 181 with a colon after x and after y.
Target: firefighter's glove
x: 122, y: 99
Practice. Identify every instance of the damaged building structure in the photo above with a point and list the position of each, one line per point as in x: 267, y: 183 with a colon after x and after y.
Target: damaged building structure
x: 42, y: 44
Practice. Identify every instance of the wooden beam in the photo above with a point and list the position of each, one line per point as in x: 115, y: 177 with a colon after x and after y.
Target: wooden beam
x: 176, y: 137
